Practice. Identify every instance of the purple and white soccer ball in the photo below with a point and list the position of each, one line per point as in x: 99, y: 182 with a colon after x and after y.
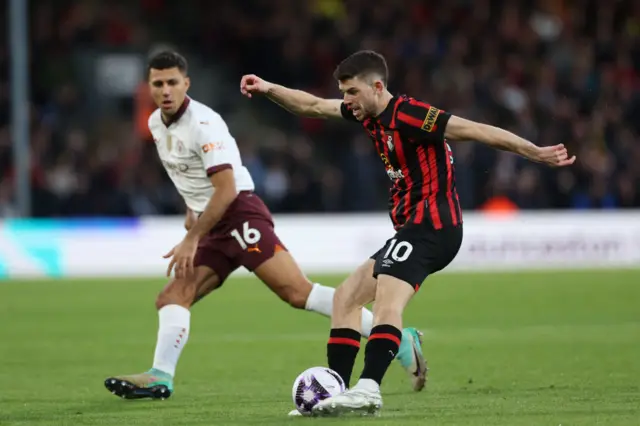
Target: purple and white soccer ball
x: 313, y: 385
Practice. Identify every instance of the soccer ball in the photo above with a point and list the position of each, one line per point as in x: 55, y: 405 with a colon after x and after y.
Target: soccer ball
x: 313, y: 385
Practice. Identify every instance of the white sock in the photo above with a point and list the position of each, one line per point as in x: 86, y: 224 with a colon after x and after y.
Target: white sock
x: 173, y: 332
x: 320, y: 300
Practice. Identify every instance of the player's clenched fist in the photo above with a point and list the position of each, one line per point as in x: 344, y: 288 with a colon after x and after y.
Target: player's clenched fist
x: 554, y: 156
x: 253, y: 84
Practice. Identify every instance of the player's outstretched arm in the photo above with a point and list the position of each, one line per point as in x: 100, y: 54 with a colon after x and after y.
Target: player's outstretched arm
x: 458, y: 129
x: 296, y: 101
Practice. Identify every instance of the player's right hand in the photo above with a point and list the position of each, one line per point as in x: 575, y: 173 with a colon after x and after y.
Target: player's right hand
x: 554, y: 156
x: 251, y: 84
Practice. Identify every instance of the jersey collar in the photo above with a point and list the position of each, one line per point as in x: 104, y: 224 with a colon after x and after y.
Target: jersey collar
x: 387, y: 114
x: 179, y: 113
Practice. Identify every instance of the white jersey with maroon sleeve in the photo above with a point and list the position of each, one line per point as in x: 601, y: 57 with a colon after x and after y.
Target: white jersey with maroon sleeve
x: 195, y: 144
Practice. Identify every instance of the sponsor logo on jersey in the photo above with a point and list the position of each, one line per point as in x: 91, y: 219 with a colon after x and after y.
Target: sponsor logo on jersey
x: 176, y: 167
x: 395, y: 174
x: 391, y: 172
x: 213, y: 146
x: 429, y: 124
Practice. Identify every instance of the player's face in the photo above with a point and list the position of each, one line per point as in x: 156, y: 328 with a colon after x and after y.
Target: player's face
x: 361, y: 96
x: 168, y: 89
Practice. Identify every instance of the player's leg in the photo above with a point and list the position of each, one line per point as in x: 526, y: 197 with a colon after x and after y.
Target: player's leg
x: 350, y: 297
x: 174, y: 317
x: 355, y: 292
x: 407, y: 261
x: 257, y: 247
x: 277, y: 268
x: 392, y: 296
x: 173, y: 304
x: 281, y: 273
x: 404, y: 264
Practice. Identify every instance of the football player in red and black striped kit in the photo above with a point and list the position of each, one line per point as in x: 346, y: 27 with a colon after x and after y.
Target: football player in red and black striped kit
x: 410, y: 136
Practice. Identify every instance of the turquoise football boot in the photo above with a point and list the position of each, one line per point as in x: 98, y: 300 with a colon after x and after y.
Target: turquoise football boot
x: 411, y: 358
x: 154, y: 384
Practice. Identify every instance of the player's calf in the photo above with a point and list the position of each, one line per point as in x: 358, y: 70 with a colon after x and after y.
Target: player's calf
x: 297, y: 295
x: 392, y: 295
x: 355, y: 292
x: 348, y: 301
x: 283, y: 276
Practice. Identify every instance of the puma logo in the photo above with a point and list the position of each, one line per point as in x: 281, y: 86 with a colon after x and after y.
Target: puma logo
x: 255, y: 249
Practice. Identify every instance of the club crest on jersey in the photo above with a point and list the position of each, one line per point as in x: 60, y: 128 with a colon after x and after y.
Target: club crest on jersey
x: 429, y: 123
x: 390, y: 143
x: 180, y: 146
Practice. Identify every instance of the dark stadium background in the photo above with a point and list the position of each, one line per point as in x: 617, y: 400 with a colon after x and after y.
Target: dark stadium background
x: 552, y: 71
x: 539, y: 326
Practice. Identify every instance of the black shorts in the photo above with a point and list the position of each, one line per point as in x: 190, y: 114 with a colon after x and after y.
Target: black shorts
x: 417, y: 251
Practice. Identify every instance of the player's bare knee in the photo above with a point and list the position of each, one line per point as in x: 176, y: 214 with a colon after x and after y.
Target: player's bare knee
x: 175, y: 294
x: 348, y: 297
x: 162, y: 300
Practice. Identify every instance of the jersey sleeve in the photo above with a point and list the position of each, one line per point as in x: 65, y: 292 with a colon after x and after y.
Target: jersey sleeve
x: 421, y: 121
x: 346, y: 113
x: 213, y: 142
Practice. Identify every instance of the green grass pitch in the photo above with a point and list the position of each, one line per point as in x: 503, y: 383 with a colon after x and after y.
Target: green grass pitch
x: 504, y: 349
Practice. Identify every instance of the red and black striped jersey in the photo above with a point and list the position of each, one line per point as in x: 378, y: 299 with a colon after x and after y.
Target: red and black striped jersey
x: 409, y: 138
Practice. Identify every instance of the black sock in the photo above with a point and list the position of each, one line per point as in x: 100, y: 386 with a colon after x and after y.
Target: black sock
x: 342, y: 349
x: 381, y: 349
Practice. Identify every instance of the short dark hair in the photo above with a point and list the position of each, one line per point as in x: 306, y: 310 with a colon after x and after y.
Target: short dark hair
x: 362, y: 63
x: 167, y: 59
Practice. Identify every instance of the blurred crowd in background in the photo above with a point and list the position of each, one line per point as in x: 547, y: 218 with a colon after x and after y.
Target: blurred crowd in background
x: 556, y: 71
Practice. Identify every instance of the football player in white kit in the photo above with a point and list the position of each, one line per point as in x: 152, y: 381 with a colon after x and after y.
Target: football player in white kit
x: 228, y: 226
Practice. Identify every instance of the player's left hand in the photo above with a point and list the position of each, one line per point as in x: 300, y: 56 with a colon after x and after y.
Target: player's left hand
x: 182, y: 257
x: 554, y: 156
